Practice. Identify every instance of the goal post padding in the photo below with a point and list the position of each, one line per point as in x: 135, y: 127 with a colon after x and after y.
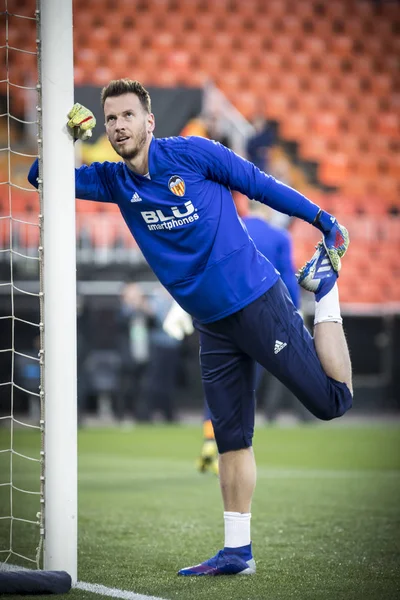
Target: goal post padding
x: 34, y: 582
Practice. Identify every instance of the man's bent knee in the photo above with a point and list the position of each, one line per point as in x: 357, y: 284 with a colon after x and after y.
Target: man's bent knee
x: 340, y: 400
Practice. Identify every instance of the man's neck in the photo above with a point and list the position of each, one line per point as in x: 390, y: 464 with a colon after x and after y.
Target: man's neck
x: 140, y: 164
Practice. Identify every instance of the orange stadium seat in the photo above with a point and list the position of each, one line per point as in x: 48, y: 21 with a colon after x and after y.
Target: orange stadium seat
x: 295, y: 126
x: 335, y: 9
x: 388, y: 188
x: 245, y: 9
x: 342, y: 45
x: 313, y: 147
x: 251, y: 44
x: 373, y: 46
x: 316, y: 47
x: 391, y: 165
x: 246, y: 103
x: 349, y: 143
x: 334, y: 169
x: 292, y: 25
x: 353, y: 26
x: 102, y: 75
x: 221, y: 43
x: 270, y: 63
x: 301, y: 64
x: 277, y: 104
x: 245, y: 63
x: 388, y: 124
x: 275, y: 8
x: 291, y: 84
x: 283, y: 44
x: 232, y: 23
x: 194, y: 42
x: 365, y: 165
x: 363, y: 65
x: 326, y: 123
x: 380, y: 84
x: 211, y: 64
x: 321, y: 26
x: 230, y: 82
x: 358, y: 123
x: 163, y: 41
x: 366, y: 103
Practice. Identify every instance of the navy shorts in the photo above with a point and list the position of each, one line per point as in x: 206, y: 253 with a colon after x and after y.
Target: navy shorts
x: 271, y: 332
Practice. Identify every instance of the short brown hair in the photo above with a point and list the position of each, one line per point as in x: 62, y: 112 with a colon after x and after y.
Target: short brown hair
x: 118, y: 87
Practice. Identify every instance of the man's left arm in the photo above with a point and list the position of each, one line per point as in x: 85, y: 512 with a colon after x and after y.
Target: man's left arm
x: 224, y: 166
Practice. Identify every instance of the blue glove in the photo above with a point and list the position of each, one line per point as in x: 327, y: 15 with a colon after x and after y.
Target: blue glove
x: 335, y: 237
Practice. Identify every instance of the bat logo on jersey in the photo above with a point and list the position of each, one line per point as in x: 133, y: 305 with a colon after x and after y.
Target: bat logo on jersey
x: 177, y: 185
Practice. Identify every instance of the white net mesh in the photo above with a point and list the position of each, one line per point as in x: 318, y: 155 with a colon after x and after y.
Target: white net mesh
x: 21, y: 298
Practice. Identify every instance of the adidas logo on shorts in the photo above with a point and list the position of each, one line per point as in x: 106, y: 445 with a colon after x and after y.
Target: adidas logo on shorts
x: 279, y: 346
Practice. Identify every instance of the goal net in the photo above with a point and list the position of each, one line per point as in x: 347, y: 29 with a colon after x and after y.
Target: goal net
x: 21, y: 350
x: 37, y: 314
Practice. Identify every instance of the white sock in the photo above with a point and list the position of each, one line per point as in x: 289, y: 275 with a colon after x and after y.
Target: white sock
x: 237, y: 529
x: 328, y: 308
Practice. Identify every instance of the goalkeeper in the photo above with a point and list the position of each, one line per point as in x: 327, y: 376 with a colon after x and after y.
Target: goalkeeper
x: 174, y: 195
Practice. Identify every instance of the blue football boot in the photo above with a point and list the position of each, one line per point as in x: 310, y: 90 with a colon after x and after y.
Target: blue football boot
x: 229, y: 561
x: 318, y: 274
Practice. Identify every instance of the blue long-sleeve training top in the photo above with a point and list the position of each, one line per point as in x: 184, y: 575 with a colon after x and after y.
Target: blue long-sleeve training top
x: 275, y: 243
x: 184, y: 220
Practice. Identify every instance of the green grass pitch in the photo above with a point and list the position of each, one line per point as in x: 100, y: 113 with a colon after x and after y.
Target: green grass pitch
x: 326, y: 512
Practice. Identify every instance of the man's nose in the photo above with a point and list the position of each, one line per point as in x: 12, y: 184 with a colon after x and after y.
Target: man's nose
x: 119, y: 124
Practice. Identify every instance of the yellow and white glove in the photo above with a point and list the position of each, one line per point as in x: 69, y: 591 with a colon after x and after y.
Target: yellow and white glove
x: 178, y: 323
x: 81, y: 122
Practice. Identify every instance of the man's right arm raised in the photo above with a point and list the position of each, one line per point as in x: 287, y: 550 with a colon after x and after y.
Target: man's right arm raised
x: 91, y: 182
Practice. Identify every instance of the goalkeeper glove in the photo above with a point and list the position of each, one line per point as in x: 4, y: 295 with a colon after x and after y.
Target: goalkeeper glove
x: 335, y: 237
x: 178, y: 323
x: 81, y: 122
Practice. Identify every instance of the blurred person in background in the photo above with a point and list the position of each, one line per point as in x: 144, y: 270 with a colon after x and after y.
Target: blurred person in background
x: 160, y: 380
x: 206, y: 125
x: 175, y: 196
x: 259, y: 144
x: 134, y: 319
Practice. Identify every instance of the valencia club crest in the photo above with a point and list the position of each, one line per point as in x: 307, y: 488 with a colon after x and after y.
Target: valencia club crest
x: 176, y: 185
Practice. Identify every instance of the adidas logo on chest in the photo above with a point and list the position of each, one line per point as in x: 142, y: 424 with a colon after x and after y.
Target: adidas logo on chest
x: 136, y: 197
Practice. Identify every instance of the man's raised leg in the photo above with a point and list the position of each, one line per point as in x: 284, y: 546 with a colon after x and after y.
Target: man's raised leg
x: 319, y: 277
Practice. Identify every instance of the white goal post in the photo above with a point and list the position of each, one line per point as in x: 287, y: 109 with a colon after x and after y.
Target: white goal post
x: 57, y: 184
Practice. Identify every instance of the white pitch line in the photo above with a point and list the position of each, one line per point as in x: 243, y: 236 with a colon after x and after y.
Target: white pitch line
x: 96, y: 588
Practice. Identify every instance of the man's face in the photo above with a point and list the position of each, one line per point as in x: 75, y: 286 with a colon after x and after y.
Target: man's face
x: 128, y: 125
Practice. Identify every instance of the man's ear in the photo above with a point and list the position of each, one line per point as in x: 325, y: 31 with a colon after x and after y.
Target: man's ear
x: 151, y: 122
